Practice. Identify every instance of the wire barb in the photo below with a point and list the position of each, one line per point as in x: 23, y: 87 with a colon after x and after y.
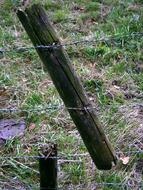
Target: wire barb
x: 83, y: 41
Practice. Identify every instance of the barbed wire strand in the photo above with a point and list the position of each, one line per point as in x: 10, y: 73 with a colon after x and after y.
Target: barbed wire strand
x: 44, y: 109
x: 104, y: 184
x: 64, y: 157
x: 58, y: 107
x: 95, y: 184
x: 54, y: 45
x: 99, y: 184
x: 122, y: 183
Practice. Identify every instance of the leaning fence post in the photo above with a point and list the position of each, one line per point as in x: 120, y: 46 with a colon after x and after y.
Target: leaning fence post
x: 48, y: 167
x: 36, y: 24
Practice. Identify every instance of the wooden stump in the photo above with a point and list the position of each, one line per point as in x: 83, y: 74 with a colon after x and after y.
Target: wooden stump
x: 48, y: 167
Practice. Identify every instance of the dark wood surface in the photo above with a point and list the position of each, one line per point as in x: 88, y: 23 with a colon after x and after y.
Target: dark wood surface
x: 41, y: 32
x: 48, y: 168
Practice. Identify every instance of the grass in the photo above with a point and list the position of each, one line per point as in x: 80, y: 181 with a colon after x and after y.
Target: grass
x: 112, y: 74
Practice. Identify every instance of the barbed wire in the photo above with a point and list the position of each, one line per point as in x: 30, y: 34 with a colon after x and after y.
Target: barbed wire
x: 58, y: 107
x: 122, y: 184
x: 61, y: 157
x: 62, y: 107
x: 83, y: 41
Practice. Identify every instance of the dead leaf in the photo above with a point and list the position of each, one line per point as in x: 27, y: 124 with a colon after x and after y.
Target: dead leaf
x: 124, y: 159
x: 117, y: 87
x: 31, y: 126
x: 10, y: 128
x: 78, y: 8
x: 91, y: 98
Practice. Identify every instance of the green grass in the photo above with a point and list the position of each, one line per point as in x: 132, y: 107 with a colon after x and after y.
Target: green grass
x: 109, y: 71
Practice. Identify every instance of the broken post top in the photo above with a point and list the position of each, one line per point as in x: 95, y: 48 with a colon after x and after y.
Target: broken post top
x: 37, y: 12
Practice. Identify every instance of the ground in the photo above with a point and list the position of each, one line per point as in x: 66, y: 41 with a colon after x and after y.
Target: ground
x: 111, y: 71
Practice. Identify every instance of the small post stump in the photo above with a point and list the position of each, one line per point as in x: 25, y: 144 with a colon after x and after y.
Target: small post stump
x: 48, y: 167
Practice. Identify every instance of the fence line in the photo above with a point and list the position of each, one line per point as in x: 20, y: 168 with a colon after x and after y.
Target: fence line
x: 58, y: 107
x: 65, y: 157
x: 84, y: 188
x: 84, y: 41
x: 61, y: 106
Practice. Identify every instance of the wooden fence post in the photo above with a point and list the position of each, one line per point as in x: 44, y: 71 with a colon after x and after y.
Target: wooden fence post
x: 48, y: 168
x: 36, y: 23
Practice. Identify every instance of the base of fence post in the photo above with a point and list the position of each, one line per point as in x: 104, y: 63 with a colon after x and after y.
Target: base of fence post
x: 48, y: 167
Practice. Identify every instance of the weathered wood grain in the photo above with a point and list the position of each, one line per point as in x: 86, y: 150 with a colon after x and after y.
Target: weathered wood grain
x: 41, y: 32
